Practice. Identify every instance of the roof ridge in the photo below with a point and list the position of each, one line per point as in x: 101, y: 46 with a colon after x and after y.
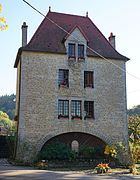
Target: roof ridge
x: 66, y: 14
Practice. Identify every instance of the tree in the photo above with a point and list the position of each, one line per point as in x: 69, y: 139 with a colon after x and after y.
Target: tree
x: 7, y: 105
x: 134, y: 140
x: 6, y: 123
x: 134, y: 111
x: 134, y: 128
x: 3, y: 24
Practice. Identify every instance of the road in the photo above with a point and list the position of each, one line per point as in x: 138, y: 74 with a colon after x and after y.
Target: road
x: 8, y: 172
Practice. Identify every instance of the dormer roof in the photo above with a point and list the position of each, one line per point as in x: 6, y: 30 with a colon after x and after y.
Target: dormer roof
x: 76, y: 27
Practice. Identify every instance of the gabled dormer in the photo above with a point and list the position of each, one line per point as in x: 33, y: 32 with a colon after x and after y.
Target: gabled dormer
x: 76, y: 44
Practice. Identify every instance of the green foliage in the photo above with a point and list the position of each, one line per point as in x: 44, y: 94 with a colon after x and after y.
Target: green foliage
x: 134, y: 111
x: 111, y: 151
x: 135, y: 152
x: 7, y: 105
x: 56, y: 151
x: 134, y: 128
x: 6, y: 123
x: 134, y: 137
x: 60, y: 151
x: 87, y: 152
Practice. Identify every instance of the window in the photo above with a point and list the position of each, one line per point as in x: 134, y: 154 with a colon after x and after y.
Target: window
x: 81, y: 51
x: 64, y: 77
x: 71, y: 50
x: 89, y: 109
x: 75, y: 146
x: 63, y: 108
x: 76, y: 109
x: 88, y: 79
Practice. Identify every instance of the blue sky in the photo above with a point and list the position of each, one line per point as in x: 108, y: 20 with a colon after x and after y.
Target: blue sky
x: 117, y: 16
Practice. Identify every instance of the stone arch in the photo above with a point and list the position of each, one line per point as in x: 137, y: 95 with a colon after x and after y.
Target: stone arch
x: 46, y: 138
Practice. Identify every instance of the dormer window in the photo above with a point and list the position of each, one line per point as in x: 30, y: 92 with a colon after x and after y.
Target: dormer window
x: 76, y: 44
x: 81, y: 51
x: 76, y: 51
x: 71, y: 50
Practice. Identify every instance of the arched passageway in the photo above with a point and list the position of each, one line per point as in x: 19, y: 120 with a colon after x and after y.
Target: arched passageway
x: 85, y: 145
x: 83, y: 139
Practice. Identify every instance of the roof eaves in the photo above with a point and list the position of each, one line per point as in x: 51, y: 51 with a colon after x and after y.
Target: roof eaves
x: 122, y: 58
x: 18, y: 57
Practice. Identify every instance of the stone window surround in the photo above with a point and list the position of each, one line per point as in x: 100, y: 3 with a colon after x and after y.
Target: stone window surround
x: 63, y: 77
x: 68, y: 84
x: 76, y: 109
x: 77, y: 44
x: 89, y: 79
x: 83, y: 113
x: 89, y: 109
x: 63, y: 106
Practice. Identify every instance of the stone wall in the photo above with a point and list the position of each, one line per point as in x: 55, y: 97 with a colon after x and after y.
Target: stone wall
x: 39, y: 94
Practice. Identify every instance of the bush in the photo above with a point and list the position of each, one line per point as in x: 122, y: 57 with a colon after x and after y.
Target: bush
x: 56, y: 151
x: 87, y: 152
x: 61, y: 151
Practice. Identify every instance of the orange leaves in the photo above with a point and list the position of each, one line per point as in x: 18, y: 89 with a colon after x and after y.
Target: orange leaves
x: 102, y: 168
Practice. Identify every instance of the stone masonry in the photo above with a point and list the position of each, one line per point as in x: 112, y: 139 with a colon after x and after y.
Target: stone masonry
x: 40, y: 93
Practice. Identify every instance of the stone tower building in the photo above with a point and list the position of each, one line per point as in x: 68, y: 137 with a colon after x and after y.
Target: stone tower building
x: 71, y: 85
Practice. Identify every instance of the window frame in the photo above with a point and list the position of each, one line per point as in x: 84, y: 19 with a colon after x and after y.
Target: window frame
x: 63, y: 108
x: 76, y: 110
x: 81, y: 51
x: 71, y: 50
x: 63, y: 77
x: 89, y: 109
x: 89, y: 79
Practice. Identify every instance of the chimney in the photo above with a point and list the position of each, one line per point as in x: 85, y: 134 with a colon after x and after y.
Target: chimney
x: 112, y: 40
x: 24, y: 34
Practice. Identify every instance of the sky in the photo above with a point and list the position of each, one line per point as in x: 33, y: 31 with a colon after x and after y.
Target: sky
x: 117, y: 16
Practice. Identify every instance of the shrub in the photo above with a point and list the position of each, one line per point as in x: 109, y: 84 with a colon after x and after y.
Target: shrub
x: 111, y: 151
x: 56, y: 151
x: 87, y: 152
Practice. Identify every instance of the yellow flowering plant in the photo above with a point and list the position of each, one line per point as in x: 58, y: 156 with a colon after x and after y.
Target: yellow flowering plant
x: 3, y: 24
x: 111, y: 151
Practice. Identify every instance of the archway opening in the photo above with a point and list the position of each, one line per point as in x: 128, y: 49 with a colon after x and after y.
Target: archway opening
x: 73, y: 145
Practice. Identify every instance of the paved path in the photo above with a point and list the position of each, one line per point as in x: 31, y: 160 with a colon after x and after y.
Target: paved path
x: 9, y: 172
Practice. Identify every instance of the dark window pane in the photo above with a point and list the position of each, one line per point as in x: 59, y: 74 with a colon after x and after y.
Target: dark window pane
x: 89, y: 109
x: 71, y: 50
x: 88, y: 79
x: 80, y: 51
x: 64, y: 77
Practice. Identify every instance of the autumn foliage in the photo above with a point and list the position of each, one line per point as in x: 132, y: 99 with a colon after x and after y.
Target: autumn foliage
x: 3, y: 24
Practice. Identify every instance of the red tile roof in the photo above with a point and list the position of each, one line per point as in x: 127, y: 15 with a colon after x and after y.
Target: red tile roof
x: 50, y: 38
